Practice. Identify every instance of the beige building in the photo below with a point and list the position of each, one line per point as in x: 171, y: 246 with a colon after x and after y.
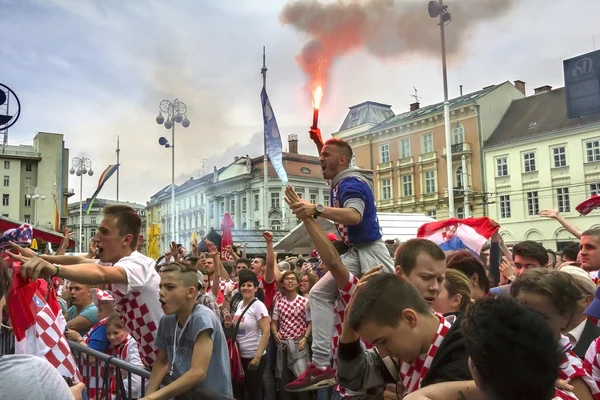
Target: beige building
x: 408, y: 151
x: 40, y: 168
x: 539, y: 159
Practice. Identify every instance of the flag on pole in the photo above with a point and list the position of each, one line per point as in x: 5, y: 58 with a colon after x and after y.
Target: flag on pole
x: 272, y: 137
x: 56, y: 215
x: 459, y: 234
x: 38, y: 323
x: 103, y: 178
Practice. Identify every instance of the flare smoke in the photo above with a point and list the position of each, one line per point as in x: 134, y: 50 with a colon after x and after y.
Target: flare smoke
x: 384, y: 28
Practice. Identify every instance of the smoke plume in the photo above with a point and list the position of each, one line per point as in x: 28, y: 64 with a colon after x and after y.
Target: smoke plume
x: 384, y: 28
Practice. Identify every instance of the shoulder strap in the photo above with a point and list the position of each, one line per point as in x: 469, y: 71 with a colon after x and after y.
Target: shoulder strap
x: 237, y: 325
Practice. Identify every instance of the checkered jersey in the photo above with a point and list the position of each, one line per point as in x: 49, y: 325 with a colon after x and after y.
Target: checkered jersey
x: 411, y: 374
x: 92, y: 376
x: 572, y: 367
x: 594, y: 276
x: 342, y: 229
x: 292, y: 317
x: 207, y: 299
x: 591, y: 362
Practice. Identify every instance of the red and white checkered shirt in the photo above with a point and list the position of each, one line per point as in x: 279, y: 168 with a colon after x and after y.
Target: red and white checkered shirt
x: 292, y: 317
x: 591, y: 363
x: 342, y: 229
x: 571, y: 368
x: 411, y: 374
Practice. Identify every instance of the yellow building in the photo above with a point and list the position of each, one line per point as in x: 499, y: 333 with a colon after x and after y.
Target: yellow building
x: 539, y: 159
x: 154, y: 214
x: 407, y: 151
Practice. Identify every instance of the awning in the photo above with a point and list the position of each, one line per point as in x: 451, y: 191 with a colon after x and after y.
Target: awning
x: 38, y: 233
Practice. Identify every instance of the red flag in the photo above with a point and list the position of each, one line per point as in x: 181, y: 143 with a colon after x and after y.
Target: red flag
x: 589, y: 205
x: 227, y: 237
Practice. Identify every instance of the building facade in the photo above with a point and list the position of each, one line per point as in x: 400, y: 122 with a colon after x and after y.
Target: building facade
x: 539, y: 159
x: 39, y: 169
x: 408, y: 151
x: 91, y: 220
x: 239, y: 189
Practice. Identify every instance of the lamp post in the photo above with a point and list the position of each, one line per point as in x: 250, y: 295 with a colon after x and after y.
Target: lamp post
x: 438, y: 9
x: 33, y: 194
x: 176, y: 112
x: 80, y: 167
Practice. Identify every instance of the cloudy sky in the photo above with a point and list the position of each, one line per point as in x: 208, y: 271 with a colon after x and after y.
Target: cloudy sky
x: 95, y: 69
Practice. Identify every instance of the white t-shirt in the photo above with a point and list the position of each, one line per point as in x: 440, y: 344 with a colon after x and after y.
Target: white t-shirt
x: 249, y: 333
x: 137, y: 303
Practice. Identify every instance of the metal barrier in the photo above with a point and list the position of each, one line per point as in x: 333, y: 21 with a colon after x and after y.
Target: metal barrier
x: 93, y: 366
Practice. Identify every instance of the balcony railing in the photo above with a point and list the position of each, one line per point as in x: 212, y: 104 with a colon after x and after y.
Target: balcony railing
x: 458, y: 149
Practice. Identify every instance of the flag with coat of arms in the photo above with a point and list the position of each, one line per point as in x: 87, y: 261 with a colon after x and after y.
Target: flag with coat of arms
x: 459, y: 234
x: 38, y: 323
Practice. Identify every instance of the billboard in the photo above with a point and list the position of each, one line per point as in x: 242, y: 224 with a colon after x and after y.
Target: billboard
x: 582, y: 84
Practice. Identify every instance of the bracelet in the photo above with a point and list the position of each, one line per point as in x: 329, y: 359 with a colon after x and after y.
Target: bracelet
x: 57, y: 270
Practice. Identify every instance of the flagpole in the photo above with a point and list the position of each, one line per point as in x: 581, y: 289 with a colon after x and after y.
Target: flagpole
x: 118, y: 151
x: 263, y: 71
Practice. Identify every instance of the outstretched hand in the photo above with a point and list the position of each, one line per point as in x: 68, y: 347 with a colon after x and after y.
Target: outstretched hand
x: 302, y: 209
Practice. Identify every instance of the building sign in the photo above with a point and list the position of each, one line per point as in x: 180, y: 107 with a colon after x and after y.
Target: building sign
x: 10, y: 107
x: 582, y: 84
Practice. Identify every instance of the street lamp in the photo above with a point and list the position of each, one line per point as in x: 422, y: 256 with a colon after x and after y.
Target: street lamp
x: 80, y: 167
x: 176, y: 112
x: 32, y: 193
x: 438, y: 9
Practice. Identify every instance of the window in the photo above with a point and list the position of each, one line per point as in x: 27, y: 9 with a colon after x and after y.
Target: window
x: 384, y: 152
x: 6, y: 180
x: 274, y: 200
x: 5, y: 199
x: 313, y: 198
x: 256, y: 224
x: 432, y: 214
x: 244, y: 204
x: 352, y: 160
x: 505, y: 206
x: 232, y: 206
x: 562, y: 197
x: 27, y: 181
x: 460, y: 213
x: 459, y: 178
x: 6, y: 164
x: 306, y: 171
x: 501, y: 166
x: 275, y: 224
x: 256, y: 201
x: 533, y: 203
x: 405, y: 148
x: 458, y: 134
x: 386, y: 189
x: 592, y: 150
x: 93, y: 220
x: 222, y: 208
x: 93, y: 232
x: 27, y: 218
x: 428, y: 143
x: 27, y: 201
x: 594, y: 188
x: 5, y: 215
x: 326, y: 199
x: 407, y: 185
x: 29, y: 167
x: 529, y: 162
x: 429, y: 182
x: 559, y: 154
x: 212, y: 211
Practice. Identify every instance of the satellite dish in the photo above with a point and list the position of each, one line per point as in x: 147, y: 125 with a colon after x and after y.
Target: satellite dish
x: 162, y: 141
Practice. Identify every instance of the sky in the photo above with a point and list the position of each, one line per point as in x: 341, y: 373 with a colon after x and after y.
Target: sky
x: 97, y: 69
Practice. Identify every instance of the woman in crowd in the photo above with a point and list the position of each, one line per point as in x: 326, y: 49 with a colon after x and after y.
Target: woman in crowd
x: 291, y: 328
x: 252, y: 335
x: 455, y: 295
x: 473, y: 268
x: 555, y: 296
x: 307, y: 281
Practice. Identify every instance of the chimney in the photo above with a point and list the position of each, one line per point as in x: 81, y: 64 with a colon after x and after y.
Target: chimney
x: 542, y: 89
x: 520, y: 85
x: 215, y: 173
x: 461, y: 92
x: 414, y: 106
x: 293, y: 143
x: 235, y: 158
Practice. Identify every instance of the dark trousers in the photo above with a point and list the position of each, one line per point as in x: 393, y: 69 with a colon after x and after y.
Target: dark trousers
x: 253, y: 380
x: 288, y: 376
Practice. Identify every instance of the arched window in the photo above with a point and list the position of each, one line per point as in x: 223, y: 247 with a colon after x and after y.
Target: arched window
x: 460, y: 212
x: 459, y: 178
x: 458, y: 134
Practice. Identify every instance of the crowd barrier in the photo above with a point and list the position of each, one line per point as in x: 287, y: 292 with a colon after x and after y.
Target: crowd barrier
x: 93, y: 364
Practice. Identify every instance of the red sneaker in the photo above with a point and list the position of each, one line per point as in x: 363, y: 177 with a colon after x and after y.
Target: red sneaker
x: 312, y: 379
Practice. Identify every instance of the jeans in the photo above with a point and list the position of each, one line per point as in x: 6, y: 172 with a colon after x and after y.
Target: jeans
x: 253, y: 379
x: 268, y: 380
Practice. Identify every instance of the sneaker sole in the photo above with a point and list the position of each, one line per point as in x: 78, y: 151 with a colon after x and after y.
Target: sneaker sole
x: 319, y: 385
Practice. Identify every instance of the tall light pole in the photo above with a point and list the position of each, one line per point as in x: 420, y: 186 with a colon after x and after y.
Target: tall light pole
x: 176, y: 112
x: 438, y: 9
x: 33, y: 194
x: 81, y: 166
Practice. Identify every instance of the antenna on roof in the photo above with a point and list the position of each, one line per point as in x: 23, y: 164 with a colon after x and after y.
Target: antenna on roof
x: 416, y: 96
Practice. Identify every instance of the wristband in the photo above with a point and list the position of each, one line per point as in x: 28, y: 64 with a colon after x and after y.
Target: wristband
x: 57, y: 270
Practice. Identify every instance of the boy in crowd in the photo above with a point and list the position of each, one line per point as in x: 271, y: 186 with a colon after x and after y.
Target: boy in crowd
x: 192, y: 349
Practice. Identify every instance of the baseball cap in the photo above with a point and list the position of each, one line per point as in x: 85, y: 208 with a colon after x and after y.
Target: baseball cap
x: 581, y: 278
x: 101, y: 295
x: 284, y: 266
x: 593, y: 309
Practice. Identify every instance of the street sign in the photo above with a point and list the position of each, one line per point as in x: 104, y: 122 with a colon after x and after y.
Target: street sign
x: 582, y: 84
x: 10, y: 107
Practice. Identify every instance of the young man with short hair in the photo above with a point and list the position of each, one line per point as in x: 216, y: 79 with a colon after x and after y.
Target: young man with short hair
x: 192, y: 349
x: 82, y: 313
x: 589, y: 251
x: 131, y: 275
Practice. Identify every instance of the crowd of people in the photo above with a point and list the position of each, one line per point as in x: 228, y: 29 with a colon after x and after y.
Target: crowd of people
x: 357, y: 319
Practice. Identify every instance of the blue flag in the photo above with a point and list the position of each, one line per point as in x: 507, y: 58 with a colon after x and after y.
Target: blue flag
x: 272, y: 137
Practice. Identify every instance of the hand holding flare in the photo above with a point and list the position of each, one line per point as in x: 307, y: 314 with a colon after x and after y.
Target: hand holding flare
x: 317, y: 97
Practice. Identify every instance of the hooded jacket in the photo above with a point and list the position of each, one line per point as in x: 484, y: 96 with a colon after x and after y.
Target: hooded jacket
x: 365, y: 369
x: 353, y: 188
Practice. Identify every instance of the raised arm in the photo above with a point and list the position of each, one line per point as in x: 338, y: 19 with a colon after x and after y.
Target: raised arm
x: 271, y: 273
x: 315, y: 135
x: 554, y: 214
